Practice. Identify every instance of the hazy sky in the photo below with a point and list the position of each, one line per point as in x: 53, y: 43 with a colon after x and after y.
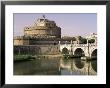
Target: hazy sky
x: 72, y: 24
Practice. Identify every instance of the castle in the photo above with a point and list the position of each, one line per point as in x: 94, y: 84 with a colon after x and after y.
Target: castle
x: 42, y: 38
x: 43, y: 29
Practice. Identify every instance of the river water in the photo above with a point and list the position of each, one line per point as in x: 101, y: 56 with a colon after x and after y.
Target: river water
x: 55, y: 66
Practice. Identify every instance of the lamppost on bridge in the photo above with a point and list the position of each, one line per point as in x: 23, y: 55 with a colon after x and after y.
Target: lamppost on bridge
x: 59, y: 43
x: 65, y: 43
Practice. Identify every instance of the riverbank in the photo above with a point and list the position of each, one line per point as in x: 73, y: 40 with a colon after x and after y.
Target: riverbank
x: 18, y: 58
x: 46, y: 56
x: 23, y: 58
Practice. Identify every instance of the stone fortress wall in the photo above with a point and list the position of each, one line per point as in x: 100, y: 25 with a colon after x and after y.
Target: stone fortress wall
x: 36, y: 50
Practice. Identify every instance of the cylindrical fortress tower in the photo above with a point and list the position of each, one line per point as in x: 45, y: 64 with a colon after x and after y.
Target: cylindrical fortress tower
x: 43, y: 28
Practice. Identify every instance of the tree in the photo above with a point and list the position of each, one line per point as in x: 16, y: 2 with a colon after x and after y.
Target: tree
x: 81, y: 40
x: 91, y: 41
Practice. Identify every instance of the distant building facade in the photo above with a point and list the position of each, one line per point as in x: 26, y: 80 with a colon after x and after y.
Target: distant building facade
x: 91, y: 36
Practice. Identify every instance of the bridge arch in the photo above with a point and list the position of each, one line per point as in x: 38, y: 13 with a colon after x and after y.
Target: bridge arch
x: 79, y: 52
x: 94, y: 53
x: 65, y: 51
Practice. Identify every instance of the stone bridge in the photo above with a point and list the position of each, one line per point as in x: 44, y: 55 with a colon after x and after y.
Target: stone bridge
x: 89, y: 50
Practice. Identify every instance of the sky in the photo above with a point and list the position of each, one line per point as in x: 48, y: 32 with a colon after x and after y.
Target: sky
x: 71, y: 24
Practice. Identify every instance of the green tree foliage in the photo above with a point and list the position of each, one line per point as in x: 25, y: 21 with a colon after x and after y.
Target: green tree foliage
x: 81, y: 40
x: 91, y: 40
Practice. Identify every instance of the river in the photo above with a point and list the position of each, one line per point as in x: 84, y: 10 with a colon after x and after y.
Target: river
x: 55, y: 66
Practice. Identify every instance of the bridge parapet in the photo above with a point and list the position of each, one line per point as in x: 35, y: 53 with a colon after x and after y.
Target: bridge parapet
x: 80, y: 45
x: 93, y: 44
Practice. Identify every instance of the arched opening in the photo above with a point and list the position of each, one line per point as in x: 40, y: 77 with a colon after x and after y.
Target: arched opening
x: 94, y: 62
x: 65, y: 51
x: 94, y: 54
x: 79, y: 52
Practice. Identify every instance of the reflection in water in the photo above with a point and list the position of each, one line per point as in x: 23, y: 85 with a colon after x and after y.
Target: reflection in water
x: 79, y: 63
x: 94, y: 65
x: 55, y: 66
